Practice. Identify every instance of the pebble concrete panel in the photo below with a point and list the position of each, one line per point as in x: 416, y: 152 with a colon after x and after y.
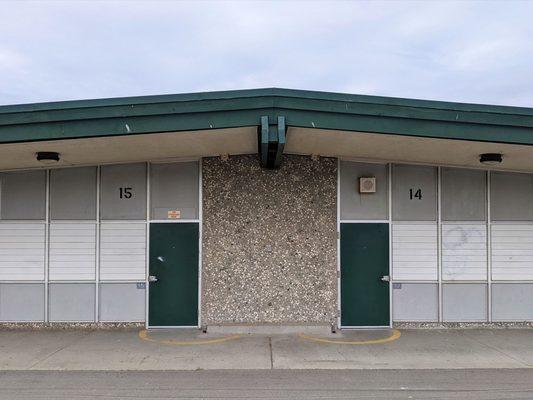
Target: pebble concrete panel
x: 269, y: 241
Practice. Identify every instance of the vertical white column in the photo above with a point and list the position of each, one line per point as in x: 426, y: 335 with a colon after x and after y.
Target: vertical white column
x: 489, y: 252
x: 439, y: 239
x: 97, y: 242
x: 200, y: 222
x: 46, y: 245
x: 389, y: 200
x: 339, y: 305
x: 147, y: 252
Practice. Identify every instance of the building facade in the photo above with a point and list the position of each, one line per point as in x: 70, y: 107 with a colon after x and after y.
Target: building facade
x: 266, y: 206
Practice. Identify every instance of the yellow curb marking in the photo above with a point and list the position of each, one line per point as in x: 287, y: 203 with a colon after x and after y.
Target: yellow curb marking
x: 395, y: 335
x: 143, y: 335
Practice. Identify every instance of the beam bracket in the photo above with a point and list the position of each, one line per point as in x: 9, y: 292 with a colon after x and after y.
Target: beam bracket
x: 271, y: 138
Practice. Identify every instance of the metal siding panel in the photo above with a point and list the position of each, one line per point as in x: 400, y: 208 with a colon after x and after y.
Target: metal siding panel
x: 463, y: 194
x: 464, y: 302
x: 73, y: 193
x: 123, y: 251
x: 512, y: 301
x: 415, y: 302
x: 22, y: 195
x: 414, y: 177
x: 414, y: 251
x: 115, y: 177
x: 122, y: 302
x: 366, y: 206
x: 22, y: 248
x: 66, y: 261
x: 511, y: 196
x: 174, y: 187
x: 72, y: 301
x: 22, y: 302
x: 512, y: 256
x: 464, y: 252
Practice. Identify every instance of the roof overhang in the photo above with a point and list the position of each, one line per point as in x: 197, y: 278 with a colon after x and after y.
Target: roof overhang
x: 204, y: 124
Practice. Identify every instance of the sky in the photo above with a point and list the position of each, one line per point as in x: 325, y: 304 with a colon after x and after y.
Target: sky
x: 477, y: 51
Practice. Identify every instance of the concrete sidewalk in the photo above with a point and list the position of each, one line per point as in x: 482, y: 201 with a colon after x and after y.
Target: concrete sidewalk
x: 191, y: 350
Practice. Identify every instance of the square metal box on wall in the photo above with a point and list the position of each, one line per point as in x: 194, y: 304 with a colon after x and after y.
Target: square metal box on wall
x: 363, y: 206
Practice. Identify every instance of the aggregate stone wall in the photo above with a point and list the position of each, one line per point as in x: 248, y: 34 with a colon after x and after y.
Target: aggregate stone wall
x: 269, y: 241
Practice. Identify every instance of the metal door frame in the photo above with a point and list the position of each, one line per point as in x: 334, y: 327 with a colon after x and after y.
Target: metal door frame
x: 198, y: 221
x: 382, y: 221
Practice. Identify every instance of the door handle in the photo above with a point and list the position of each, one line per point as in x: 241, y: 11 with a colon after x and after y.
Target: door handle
x: 152, y: 278
x: 385, y: 278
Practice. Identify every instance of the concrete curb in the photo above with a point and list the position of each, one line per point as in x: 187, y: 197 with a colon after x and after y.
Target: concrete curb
x: 463, y: 325
x: 9, y: 326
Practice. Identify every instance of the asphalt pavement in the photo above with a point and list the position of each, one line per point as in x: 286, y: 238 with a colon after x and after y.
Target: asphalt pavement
x: 468, y: 384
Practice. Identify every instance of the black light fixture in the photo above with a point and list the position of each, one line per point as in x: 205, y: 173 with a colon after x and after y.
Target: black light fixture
x: 490, y: 158
x: 47, y: 157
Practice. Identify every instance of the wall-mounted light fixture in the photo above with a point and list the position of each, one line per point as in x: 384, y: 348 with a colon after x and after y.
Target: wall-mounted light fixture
x: 490, y: 158
x: 47, y: 157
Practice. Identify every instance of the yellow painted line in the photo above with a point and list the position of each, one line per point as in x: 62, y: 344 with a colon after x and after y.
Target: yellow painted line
x: 143, y: 335
x: 395, y: 336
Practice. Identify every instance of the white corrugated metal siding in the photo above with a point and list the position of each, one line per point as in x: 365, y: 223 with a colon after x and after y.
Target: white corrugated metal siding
x: 414, y: 251
x: 512, y: 251
x: 22, y: 248
x: 122, y: 251
x: 72, y: 251
x: 464, y: 252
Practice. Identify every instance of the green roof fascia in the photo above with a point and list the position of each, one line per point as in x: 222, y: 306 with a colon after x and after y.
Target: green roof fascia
x: 230, y: 109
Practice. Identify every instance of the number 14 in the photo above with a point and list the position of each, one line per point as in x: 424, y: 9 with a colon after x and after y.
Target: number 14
x: 415, y: 194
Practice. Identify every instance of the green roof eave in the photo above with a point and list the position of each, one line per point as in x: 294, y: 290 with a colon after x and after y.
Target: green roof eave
x: 230, y: 109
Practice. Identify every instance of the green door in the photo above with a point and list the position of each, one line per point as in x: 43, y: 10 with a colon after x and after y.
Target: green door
x: 173, y: 292
x: 364, y: 261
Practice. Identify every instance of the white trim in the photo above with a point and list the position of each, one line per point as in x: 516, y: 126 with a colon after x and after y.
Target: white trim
x: 489, y: 248
x: 23, y: 221
x: 147, y: 267
x: 173, y: 221
x: 388, y: 160
x: 439, y: 242
x: 174, y: 327
x: 200, y: 218
x: 366, y: 327
x: 387, y: 221
x: 338, y: 308
x: 389, y: 210
x: 97, y: 252
x: 364, y: 221
x: 136, y: 161
x: 47, y: 245
x: 150, y: 221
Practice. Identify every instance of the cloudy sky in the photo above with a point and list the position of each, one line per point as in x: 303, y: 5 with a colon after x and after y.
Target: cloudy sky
x: 458, y: 51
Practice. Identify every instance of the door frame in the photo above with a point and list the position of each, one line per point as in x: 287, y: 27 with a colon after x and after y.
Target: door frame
x: 179, y: 221
x: 382, y: 221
